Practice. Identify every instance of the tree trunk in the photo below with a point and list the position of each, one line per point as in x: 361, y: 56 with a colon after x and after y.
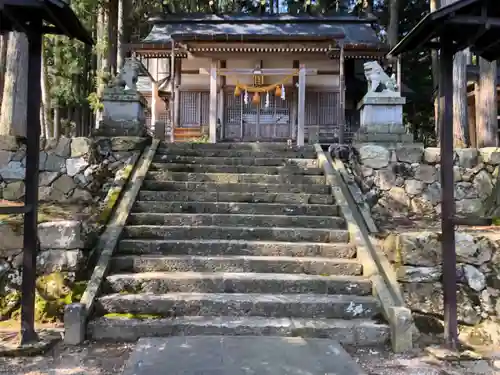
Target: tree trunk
x: 15, y: 94
x: 434, y: 5
x: 460, y: 127
x: 102, y: 54
x: 120, y: 48
x: 112, y: 34
x: 368, y: 6
x: 4, y: 41
x: 393, y: 29
x: 459, y: 94
x: 486, y: 105
x: 45, y: 107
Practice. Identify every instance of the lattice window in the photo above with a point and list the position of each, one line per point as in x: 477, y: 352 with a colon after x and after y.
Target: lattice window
x: 328, y: 108
x: 311, y: 108
x: 194, y: 108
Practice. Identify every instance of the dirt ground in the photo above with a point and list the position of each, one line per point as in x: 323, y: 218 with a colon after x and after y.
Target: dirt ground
x: 110, y: 358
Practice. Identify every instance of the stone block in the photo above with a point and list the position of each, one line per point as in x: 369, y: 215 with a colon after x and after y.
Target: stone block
x: 8, y: 143
x: 61, y: 235
x: 410, y: 153
x: 374, y: 156
x: 401, y: 322
x: 381, y: 110
x: 75, y: 316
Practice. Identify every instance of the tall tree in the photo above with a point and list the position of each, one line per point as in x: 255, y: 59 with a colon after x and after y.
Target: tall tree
x: 486, y: 105
x: 393, y: 28
x: 4, y: 41
x: 15, y: 94
x: 460, y: 127
x: 434, y: 5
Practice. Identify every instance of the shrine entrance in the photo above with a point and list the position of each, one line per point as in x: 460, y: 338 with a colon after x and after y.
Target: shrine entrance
x: 270, y: 120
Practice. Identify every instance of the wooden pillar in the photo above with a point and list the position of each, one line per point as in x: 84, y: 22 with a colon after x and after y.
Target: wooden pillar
x: 177, y: 95
x: 212, y: 131
x: 472, y: 117
x: 171, y: 104
x: 398, y: 74
x: 447, y: 191
x: 294, y: 101
x: 221, y: 83
x: 301, y: 106
x: 341, y: 119
x: 154, y: 114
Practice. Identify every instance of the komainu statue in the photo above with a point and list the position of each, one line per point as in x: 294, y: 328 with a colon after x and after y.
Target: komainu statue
x: 378, y: 80
x: 128, y: 75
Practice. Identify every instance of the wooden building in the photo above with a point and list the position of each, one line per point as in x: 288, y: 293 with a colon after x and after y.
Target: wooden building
x: 257, y: 78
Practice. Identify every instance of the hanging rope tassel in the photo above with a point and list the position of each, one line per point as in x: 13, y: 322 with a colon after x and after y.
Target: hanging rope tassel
x: 277, y: 93
x: 256, y: 98
x: 283, y: 92
x: 267, y: 100
x: 245, y: 97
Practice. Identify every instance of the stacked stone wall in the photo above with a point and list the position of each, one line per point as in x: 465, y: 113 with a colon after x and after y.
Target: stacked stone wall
x: 75, y: 177
x: 406, y: 180
x: 401, y: 186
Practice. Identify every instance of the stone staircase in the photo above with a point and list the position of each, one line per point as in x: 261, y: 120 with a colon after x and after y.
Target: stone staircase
x: 236, y: 239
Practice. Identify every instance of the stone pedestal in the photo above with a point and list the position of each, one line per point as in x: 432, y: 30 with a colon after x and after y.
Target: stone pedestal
x: 124, y: 113
x: 381, y: 119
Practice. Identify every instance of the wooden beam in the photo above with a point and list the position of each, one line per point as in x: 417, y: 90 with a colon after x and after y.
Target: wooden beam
x: 301, y: 106
x: 213, y: 102
x: 265, y: 72
x: 475, y: 21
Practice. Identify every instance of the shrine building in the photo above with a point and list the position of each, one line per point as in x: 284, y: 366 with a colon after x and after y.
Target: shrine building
x: 256, y: 78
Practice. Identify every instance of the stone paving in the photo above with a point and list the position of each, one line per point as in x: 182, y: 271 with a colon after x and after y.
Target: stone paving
x: 240, y: 355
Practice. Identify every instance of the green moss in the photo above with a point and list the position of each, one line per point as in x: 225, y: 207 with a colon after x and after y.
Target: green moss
x: 8, y: 304
x: 113, y: 194
x: 132, y: 316
x: 54, y: 292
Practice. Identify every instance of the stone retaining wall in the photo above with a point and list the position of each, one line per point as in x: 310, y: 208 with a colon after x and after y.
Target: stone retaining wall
x: 406, y: 180
x: 71, y: 169
x: 416, y: 257
x: 76, y: 175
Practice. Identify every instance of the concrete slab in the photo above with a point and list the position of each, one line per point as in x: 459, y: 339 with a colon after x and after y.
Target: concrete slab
x: 240, y: 355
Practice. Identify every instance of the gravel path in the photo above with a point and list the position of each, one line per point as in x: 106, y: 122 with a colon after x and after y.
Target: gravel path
x: 90, y: 359
x: 108, y: 358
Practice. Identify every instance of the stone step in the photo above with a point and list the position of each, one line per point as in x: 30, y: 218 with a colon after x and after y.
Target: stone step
x: 247, y: 146
x: 237, y: 263
x: 236, y: 153
x: 228, y: 220
x: 209, y: 168
x: 235, y: 161
x: 238, y: 247
x: 203, y: 196
x: 235, y: 187
x: 235, y: 178
x: 246, y: 304
x: 359, y: 332
x: 235, y: 233
x: 235, y: 282
x: 234, y: 208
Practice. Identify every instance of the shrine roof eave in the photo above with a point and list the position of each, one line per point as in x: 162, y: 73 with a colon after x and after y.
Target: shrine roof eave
x: 263, y: 32
x: 56, y: 15
x: 243, y: 18
x: 468, y: 23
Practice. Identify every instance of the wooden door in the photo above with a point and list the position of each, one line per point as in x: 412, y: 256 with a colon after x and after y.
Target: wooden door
x: 256, y: 122
x: 274, y: 120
